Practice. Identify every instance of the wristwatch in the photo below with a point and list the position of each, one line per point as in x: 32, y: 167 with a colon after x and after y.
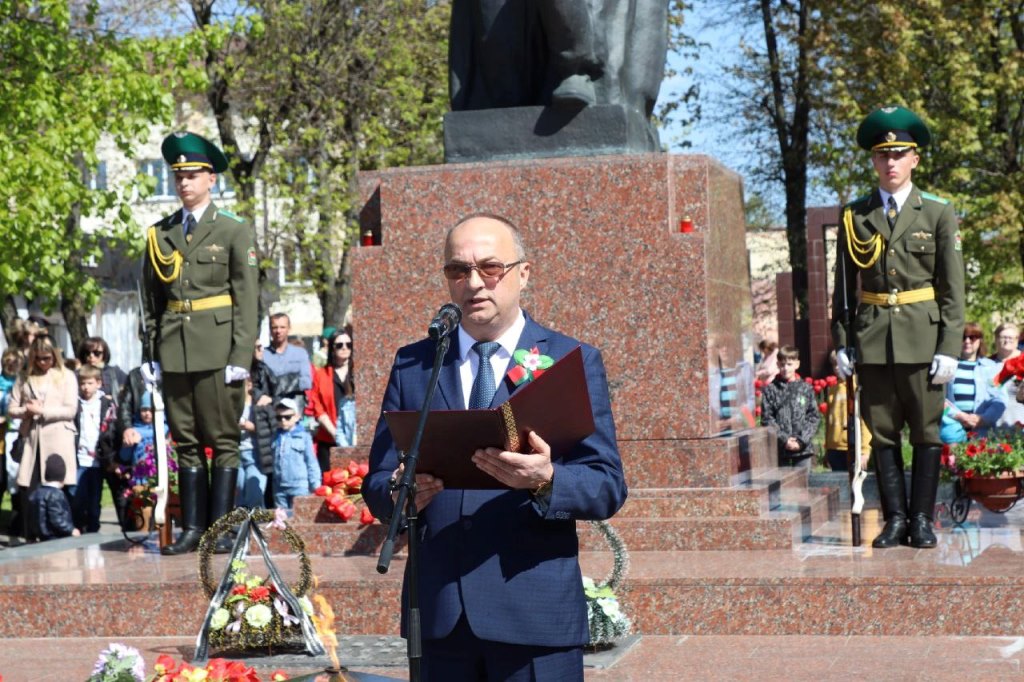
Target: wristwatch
x: 544, y: 489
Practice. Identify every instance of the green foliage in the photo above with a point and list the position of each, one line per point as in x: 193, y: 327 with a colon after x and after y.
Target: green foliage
x: 325, y: 89
x: 68, y: 86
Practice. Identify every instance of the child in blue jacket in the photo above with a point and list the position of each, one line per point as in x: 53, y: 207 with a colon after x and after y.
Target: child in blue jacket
x: 296, y: 470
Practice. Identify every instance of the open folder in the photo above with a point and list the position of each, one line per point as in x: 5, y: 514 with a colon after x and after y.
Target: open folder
x: 555, y: 404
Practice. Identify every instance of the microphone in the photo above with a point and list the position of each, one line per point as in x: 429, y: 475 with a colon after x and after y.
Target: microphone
x: 445, y: 322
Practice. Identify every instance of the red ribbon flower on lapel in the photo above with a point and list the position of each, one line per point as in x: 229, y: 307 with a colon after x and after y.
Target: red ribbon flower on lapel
x: 530, y: 364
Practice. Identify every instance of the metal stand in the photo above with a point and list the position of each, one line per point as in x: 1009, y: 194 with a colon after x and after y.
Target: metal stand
x: 406, y: 488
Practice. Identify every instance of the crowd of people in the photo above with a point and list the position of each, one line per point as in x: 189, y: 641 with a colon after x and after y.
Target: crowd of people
x: 74, y: 425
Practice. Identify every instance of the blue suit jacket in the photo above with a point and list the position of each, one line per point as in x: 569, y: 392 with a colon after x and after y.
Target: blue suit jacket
x: 497, y: 555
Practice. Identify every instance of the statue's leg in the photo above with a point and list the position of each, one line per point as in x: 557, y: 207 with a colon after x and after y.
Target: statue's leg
x: 489, y: 59
x: 575, y: 38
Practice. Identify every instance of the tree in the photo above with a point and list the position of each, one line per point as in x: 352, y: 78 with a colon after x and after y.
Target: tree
x: 771, y: 94
x: 66, y: 85
x: 323, y: 88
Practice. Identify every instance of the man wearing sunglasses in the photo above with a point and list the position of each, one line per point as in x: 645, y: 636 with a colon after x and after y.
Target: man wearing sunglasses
x: 500, y: 585
x: 904, y: 244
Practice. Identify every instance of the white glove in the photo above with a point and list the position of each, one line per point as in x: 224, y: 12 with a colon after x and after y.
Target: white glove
x: 844, y: 364
x: 151, y: 372
x: 943, y: 369
x: 232, y: 374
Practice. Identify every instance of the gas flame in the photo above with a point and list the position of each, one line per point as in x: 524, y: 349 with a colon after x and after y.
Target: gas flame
x: 325, y: 628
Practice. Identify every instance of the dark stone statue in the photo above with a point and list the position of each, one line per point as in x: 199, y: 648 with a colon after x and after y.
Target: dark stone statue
x: 565, y: 55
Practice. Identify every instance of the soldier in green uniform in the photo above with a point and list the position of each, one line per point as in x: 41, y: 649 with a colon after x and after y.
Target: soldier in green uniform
x: 201, y: 288
x: 908, y: 327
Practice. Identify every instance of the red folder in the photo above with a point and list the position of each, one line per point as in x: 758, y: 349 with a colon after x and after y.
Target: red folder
x: 556, y: 405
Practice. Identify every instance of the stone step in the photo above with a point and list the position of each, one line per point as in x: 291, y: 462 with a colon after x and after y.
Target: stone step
x: 795, y: 516
x: 697, y: 463
x: 969, y: 586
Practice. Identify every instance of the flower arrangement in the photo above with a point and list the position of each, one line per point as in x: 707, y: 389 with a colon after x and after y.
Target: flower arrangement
x: 342, y: 487
x: 529, y: 364
x: 120, y: 663
x: 253, y: 614
x: 1011, y: 369
x: 141, y: 477
x: 1000, y: 452
x: 604, y: 614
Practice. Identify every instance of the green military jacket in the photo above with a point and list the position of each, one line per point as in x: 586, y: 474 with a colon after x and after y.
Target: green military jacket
x: 220, y: 260
x: 922, y: 250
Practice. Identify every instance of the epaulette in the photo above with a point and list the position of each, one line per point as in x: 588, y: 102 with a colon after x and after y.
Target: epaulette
x: 929, y: 195
x: 228, y: 214
x: 858, y: 200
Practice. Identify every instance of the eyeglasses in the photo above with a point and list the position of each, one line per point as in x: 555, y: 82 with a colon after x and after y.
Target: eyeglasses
x: 285, y: 417
x: 343, y: 344
x: 491, y: 269
x: 94, y: 353
x: 972, y: 337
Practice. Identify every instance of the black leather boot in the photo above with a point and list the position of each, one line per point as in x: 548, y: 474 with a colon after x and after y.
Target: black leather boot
x: 222, y: 501
x: 193, y: 490
x: 924, y: 480
x: 894, y: 497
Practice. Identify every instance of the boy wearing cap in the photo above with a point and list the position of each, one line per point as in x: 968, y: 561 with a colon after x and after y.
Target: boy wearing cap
x: 906, y: 330
x: 49, y: 509
x: 296, y: 470
x: 201, y: 287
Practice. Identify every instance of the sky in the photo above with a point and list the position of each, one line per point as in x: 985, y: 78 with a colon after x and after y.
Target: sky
x: 721, y: 48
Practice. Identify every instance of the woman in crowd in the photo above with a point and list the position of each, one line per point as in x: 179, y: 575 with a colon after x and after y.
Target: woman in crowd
x: 24, y: 332
x: 332, y: 399
x: 45, y: 398
x: 973, y: 402
x: 95, y: 351
x: 1006, y: 337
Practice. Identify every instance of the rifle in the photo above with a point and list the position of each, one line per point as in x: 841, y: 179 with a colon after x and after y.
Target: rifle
x: 163, y: 488
x: 853, y: 444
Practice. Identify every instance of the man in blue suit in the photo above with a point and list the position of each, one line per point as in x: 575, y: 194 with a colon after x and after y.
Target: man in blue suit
x: 501, y: 595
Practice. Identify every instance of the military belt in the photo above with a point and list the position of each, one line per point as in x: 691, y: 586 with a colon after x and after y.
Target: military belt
x: 208, y: 303
x: 898, y: 297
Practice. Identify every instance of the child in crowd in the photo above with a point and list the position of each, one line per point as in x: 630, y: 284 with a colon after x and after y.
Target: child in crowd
x: 296, y: 471
x: 96, y: 415
x: 49, y: 510
x: 10, y: 363
x: 143, y: 424
x: 788, y: 404
x: 836, y: 420
x: 251, y: 480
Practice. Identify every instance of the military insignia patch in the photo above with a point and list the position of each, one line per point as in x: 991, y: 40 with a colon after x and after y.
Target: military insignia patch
x: 890, y: 136
x: 181, y: 159
x: 252, y: 257
x: 957, y: 243
x: 214, y: 248
x: 922, y: 235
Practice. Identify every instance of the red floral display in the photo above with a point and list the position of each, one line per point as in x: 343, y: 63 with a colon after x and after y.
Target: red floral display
x: 342, y: 487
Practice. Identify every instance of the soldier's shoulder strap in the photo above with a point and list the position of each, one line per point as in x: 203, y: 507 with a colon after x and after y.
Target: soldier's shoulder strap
x: 859, y: 200
x: 934, y: 197
x: 228, y: 214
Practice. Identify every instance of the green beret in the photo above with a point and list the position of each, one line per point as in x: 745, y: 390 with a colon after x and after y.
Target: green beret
x: 186, y: 151
x: 892, y: 128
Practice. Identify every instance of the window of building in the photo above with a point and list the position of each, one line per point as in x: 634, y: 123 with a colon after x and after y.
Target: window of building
x: 290, y: 271
x: 156, y: 168
x: 98, y: 180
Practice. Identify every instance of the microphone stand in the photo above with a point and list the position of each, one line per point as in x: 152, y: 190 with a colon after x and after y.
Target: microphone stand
x: 407, y: 500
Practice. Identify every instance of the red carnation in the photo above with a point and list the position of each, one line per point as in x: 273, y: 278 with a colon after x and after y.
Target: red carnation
x: 364, y: 469
x: 354, y: 484
x: 831, y: 380
x: 823, y: 408
x: 366, y: 517
x: 260, y: 593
